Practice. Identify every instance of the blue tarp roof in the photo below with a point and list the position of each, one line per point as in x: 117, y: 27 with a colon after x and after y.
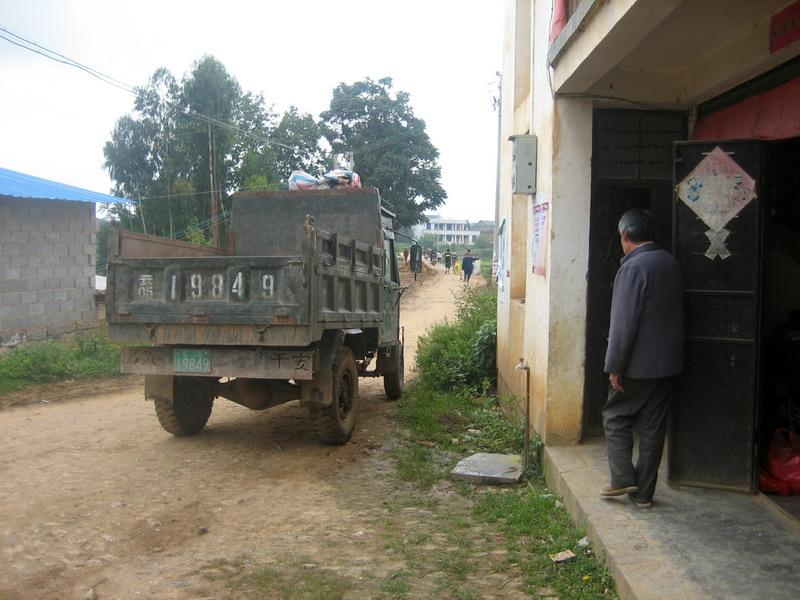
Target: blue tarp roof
x: 21, y: 185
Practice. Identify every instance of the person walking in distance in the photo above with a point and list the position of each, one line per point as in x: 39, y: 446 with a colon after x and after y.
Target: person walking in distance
x: 644, y: 355
x: 467, y: 264
x: 448, y: 260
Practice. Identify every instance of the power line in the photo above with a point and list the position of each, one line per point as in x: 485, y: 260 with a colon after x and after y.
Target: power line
x: 65, y: 62
x: 71, y: 61
x: 33, y: 46
x: 61, y: 58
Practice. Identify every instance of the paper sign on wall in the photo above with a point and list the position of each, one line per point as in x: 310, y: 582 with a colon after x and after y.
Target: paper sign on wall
x: 539, y: 237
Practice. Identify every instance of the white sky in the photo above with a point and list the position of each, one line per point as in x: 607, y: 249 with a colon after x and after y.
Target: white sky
x: 54, y: 119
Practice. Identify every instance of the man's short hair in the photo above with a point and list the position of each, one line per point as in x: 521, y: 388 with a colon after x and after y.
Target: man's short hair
x: 638, y: 225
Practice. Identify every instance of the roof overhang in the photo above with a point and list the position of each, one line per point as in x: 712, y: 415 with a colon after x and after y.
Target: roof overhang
x: 665, y: 53
x: 19, y: 185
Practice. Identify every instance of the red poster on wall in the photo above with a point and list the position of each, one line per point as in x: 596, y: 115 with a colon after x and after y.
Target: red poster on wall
x: 785, y: 27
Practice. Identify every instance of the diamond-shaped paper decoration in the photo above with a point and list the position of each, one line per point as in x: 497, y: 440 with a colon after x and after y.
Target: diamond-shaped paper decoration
x: 717, y: 189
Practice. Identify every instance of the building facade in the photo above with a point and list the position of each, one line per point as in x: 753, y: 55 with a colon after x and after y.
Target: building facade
x: 636, y: 103
x: 449, y: 231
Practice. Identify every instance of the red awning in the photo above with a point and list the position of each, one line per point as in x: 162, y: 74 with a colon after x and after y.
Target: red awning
x: 771, y: 115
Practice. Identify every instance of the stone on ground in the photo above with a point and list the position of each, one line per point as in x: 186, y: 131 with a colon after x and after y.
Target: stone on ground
x: 485, y: 467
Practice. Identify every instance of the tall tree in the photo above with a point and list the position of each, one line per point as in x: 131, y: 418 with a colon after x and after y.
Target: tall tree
x: 391, y: 147
x: 211, y: 95
x: 178, y: 152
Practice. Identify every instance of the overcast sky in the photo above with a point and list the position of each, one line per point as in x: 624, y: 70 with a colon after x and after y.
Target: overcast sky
x: 55, y: 119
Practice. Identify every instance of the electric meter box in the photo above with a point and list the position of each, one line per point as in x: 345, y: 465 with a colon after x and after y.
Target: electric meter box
x: 523, y: 164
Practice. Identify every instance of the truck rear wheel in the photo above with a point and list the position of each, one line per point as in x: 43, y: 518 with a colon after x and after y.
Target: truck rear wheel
x: 334, y: 423
x: 188, y: 412
x: 394, y: 376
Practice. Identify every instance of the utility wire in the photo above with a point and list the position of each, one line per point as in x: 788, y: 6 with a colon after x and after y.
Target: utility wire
x: 60, y: 58
x: 63, y: 59
x: 65, y: 62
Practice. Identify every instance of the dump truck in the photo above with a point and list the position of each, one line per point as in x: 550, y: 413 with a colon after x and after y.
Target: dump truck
x: 302, y: 303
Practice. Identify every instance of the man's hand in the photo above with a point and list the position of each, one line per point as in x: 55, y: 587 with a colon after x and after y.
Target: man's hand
x: 616, y: 381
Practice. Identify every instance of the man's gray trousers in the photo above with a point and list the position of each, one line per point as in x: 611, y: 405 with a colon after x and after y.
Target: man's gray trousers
x: 643, y: 406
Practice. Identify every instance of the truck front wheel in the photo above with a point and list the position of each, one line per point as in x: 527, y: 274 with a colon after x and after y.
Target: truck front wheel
x: 333, y: 424
x: 188, y: 411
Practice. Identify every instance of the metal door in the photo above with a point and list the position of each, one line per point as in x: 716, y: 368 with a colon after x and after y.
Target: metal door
x: 717, y: 241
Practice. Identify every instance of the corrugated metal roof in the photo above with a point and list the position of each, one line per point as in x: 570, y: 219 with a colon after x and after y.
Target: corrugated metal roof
x: 21, y: 185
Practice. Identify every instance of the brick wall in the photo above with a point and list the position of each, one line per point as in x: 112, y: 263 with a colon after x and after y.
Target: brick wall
x: 47, y: 257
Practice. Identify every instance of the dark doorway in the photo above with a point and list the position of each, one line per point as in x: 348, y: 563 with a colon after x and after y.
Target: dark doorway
x: 742, y: 378
x: 780, y: 312
x: 605, y: 253
x: 631, y: 168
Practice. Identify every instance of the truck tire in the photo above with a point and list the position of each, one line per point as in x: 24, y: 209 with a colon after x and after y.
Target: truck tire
x: 394, y: 377
x: 188, y: 412
x: 334, y: 423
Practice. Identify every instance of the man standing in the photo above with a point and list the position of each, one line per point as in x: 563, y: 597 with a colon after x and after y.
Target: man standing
x: 447, y: 260
x: 645, y: 353
x: 467, y: 264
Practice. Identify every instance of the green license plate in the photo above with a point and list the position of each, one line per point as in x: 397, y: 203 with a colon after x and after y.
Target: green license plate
x: 192, y: 361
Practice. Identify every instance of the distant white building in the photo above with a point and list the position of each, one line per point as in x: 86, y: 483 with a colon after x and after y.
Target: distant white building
x: 448, y: 231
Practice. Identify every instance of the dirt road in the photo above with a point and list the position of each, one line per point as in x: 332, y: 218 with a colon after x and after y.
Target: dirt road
x: 97, y: 501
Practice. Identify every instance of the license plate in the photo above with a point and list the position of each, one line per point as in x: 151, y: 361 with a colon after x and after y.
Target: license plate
x: 192, y: 361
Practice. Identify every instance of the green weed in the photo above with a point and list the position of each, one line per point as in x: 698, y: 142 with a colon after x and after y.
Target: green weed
x: 535, y: 528
x: 462, y: 353
x: 449, y: 413
x: 396, y: 585
x: 57, y: 360
x: 297, y: 579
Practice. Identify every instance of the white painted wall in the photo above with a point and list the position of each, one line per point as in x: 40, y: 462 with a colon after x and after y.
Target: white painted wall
x: 548, y: 328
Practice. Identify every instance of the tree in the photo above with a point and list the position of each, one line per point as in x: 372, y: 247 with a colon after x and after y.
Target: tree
x: 483, y: 242
x: 429, y: 240
x: 211, y: 95
x: 288, y: 144
x: 391, y: 148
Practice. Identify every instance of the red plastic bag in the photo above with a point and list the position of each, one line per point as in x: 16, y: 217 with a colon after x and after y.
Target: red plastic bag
x: 769, y: 485
x: 783, y: 459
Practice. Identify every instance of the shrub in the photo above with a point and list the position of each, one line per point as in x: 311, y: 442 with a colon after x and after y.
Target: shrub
x: 485, y: 349
x: 462, y: 353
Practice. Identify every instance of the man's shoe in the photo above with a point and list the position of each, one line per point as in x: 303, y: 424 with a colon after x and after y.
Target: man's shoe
x: 609, y: 490
x: 642, y: 503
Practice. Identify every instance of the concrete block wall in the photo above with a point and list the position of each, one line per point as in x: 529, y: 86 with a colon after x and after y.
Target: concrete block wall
x: 47, y: 268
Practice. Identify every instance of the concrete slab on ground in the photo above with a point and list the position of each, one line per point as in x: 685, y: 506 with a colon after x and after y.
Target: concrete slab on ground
x: 694, y: 543
x: 485, y: 467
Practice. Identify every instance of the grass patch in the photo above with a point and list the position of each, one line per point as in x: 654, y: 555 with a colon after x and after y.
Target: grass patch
x: 295, y: 580
x: 447, y: 425
x: 83, y: 357
x: 535, y: 528
x: 444, y: 426
x: 449, y: 412
x: 396, y: 585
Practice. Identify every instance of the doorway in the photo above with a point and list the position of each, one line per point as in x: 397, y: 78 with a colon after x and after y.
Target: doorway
x: 631, y: 168
x: 609, y: 202
x: 741, y: 381
x: 780, y: 309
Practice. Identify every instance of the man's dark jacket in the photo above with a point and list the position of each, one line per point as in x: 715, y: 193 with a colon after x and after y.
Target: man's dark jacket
x: 645, y: 340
